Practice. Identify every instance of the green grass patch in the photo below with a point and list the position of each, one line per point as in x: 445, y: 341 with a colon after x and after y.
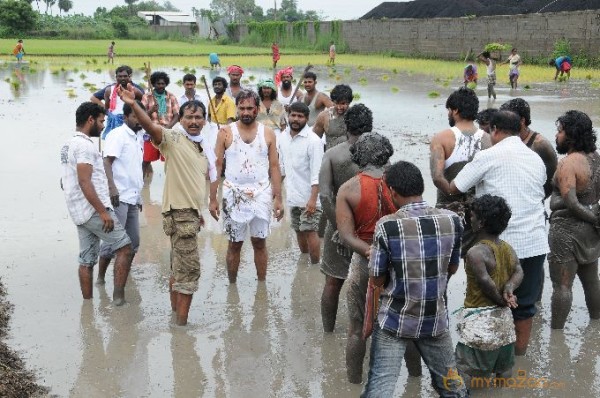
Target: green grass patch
x: 433, y: 94
x: 355, y: 96
x: 395, y: 89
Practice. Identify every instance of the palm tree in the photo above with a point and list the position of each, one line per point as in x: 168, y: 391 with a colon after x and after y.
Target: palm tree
x: 65, y: 5
x: 130, y: 4
x: 49, y: 4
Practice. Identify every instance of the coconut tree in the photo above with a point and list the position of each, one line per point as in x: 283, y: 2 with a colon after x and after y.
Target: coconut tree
x: 64, y: 5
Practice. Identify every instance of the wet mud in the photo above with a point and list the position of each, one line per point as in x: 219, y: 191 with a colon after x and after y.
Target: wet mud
x: 251, y: 339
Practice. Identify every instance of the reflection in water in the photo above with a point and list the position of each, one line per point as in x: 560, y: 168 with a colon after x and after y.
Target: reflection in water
x: 189, y: 380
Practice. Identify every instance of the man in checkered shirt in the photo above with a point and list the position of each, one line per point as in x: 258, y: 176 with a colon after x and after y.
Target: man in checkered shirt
x: 413, y: 252
x: 514, y: 172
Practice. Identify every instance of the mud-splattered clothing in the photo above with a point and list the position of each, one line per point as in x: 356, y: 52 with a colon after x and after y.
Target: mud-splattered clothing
x: 571, y: 239
x: 312, y: 107
x: 247, y: 191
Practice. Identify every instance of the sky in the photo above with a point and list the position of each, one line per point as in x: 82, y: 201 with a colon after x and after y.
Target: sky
x: 332, y: 9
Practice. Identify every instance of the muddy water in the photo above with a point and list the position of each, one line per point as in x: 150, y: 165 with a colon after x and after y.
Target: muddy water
x: 250, y: 340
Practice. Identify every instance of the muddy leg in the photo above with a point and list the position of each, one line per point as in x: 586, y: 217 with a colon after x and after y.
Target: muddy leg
x: 86, y: 277
x: 562, y: 276
x: 314, y: 246
x: 355, y: 352
x: 172, y: 294
x: 103, y: 264
x: 233, y: 260
x: 122, y: 267
x: 261, y: 257
x: 588, y: 275
x: 329, y: 302
x: 184, y: 301
x: 302, y: 241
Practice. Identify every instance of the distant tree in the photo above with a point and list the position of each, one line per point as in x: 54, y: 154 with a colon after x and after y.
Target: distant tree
x: 17, y: 15
x: 130, y: 5
x: 234, y: 10
x: 168, y: 6
x: 100, y: 13
x: 312, y: 15
x: 49, y: 4
x: 64, y: 5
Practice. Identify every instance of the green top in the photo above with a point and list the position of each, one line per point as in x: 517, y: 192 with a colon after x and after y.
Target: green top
x: 500, y: 275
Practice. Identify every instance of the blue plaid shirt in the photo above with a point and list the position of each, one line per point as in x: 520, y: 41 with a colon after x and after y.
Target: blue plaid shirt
x: 413, y: 248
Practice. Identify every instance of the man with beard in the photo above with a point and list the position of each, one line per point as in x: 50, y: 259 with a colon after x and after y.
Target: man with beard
x: 300, y: 156
x: 235, y: 73
x: 286, y: 89
x: 186, y: 169
x: 337, y: 168
x: 252, y: 185
x: 514, y: 172
x: 331, y: 121
x: 221, y: 104
x: 534, y: 140
x: 452, y: 149
x: 315, y: 100
x: 85, y: 187
x: 112, y: 102
x: 163, y: 108
x: 574, y: 223
x: 123, y: 165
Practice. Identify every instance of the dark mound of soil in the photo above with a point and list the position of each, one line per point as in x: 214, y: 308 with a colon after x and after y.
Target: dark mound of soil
x: 462, y: 8
x: 15, y: 380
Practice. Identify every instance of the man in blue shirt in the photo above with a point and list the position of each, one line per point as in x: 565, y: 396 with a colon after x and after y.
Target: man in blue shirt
x: 563, y: 65
x: 414, y: 250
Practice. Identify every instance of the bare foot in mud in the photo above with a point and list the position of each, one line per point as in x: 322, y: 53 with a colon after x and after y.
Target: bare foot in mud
x: 119, y: 297
x: 100, y: 282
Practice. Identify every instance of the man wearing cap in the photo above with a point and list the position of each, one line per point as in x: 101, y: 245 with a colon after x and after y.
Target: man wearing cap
x: 235, y: 73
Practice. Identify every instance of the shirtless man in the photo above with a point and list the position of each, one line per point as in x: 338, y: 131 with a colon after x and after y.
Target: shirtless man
x: 315, y: 100
x: 331, y: 121
x: 235, y: 75
x: 534, y: 140
x: 250, y: 151
x: 574, y: 223
x: 490, y: 63
x: 452, y: 149
x: 356, y: 217
x: 337, y: 168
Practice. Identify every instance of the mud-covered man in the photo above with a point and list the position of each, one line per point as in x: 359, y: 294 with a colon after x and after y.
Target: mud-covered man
x: 330, y: 122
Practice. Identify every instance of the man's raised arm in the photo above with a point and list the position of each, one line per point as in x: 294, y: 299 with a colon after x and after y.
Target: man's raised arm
x: 128, y: 97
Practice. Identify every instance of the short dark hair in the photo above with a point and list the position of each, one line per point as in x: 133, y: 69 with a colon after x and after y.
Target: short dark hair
x: 506, y: 121
x: 551, y: 62
x: 465, y: 101
x: 189, y: 78
x: 85, y: 110
x: 300, y: 107
x: 580, y: 135
x: 371, y: 149
x: 310, y: 75
x: 193, y: 106
x: 128, y: 109
x: 220, y: 79
x: 405, y: 179
x: 484, y: 116
x: 342, y: 92
x: 273, y: 95
x: 124, y: 68
x: 520, y: 107
x: 156, y: 76
x: 493, y: 212
x: 358, y: 119
x: 486, y: 54
x: 247, y: 94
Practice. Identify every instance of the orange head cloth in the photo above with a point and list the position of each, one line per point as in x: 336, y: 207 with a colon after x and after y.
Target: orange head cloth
x: 285, y: 71
x: 235, y: 69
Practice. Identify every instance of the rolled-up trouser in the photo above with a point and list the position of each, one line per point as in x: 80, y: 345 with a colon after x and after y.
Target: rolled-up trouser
x: 182, y: 225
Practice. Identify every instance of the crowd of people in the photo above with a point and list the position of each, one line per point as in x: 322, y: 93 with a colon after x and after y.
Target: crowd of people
x: 396, y: 251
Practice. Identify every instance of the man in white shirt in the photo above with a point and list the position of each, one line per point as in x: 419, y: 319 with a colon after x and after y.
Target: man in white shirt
x: 86, y: 192
x: 123, y: 155
x: 514, y: 172
x: 190, y: 94
x: 300, y: 156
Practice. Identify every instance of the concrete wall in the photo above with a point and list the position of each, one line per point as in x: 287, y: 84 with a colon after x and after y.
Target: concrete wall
x: 532, y: 34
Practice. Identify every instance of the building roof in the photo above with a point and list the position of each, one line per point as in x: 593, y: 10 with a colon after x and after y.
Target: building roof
x: 463, y: 8
x: 170, y: 16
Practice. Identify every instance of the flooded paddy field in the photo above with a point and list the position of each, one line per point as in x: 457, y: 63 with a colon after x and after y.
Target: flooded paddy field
x: 247, y: 340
